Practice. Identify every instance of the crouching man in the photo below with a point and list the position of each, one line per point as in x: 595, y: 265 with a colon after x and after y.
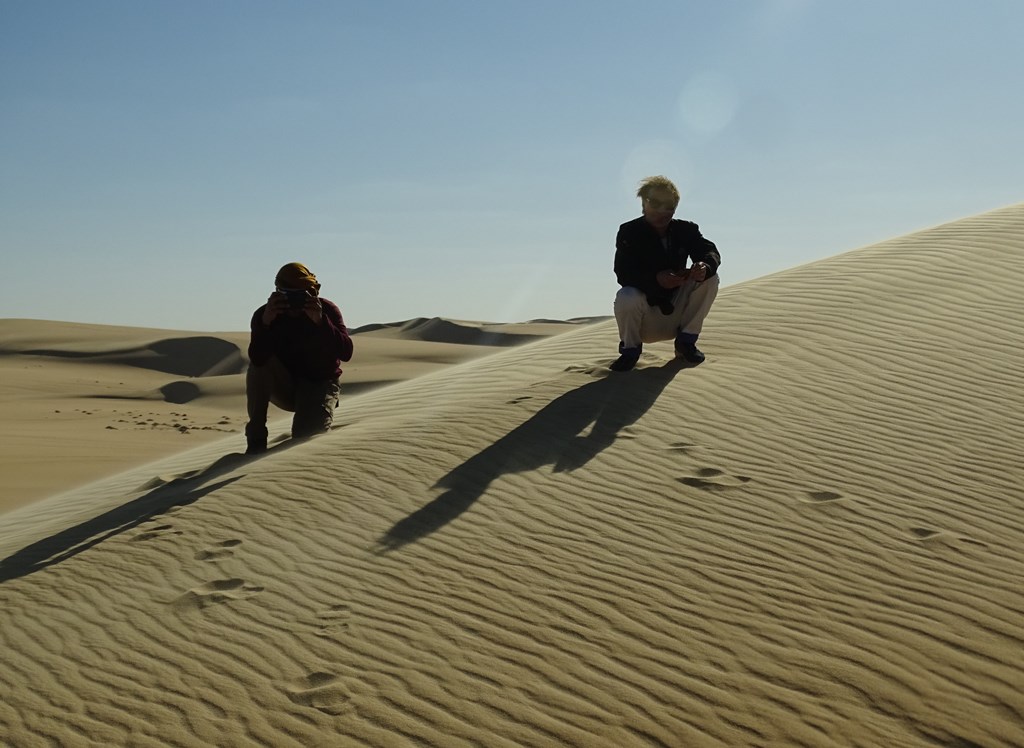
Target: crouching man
x: 296, y: 347
x: 661, y: 298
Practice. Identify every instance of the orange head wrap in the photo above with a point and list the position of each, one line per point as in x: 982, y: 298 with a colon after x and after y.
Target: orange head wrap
x: 296, y: 276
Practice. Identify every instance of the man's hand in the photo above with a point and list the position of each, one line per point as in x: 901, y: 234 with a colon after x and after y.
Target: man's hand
x: 699, y: 271
x: 276, y: 305
x: 314, y: 310
x: 670, y: 279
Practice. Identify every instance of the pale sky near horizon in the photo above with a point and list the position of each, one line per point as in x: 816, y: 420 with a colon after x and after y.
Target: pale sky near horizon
x: 473, y: 159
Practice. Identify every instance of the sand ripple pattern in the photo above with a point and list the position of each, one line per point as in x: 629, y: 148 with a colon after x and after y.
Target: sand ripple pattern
x: 812, y: 540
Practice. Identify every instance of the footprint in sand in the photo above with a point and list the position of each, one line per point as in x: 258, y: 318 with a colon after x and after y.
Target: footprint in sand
x: 930, y: 537
x: 160, y: 531
x: 684, y: 447
x: 822, y: 497
x: 323, y: 691
x: 162, y: 480
x: 598, y: 371
x: 217, y: 591
x: 218, y: 551
x: 713, y: 479
x: 333, y: 621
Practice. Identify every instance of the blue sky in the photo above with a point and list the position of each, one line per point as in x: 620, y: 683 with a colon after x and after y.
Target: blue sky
x: 473, y: 159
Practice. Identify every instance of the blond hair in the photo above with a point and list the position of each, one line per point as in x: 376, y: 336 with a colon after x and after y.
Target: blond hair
x: 658, y: 183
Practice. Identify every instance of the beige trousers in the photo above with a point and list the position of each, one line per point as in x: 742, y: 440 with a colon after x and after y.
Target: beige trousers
x: 639, y: 322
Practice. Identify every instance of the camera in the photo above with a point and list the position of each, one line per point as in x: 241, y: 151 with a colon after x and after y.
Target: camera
x: 296, y: 299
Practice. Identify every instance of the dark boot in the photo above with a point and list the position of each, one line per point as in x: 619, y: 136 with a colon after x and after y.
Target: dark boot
x: 256, y: 440
x: 686, y: 348
x: 627, y: 358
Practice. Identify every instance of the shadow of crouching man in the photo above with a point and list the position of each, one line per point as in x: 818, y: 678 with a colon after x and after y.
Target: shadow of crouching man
x: 72, y: 541
x: 551, y: 436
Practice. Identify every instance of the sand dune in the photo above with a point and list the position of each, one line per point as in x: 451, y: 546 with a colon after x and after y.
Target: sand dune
x: 437, y: 330
x: 813, y: 539
x: 85, y: 401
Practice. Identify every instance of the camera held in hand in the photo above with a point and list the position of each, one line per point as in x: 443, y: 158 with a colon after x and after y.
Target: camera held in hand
x: 296, y: 298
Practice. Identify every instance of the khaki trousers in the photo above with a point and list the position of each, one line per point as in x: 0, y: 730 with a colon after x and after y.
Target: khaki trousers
x: 312, y: 401
x: 639, y: 322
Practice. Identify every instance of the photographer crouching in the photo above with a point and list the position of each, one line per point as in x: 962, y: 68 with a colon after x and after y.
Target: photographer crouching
x: 296, y: 347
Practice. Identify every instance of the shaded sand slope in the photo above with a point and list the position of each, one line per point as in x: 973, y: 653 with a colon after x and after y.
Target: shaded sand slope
x: 813, y: 539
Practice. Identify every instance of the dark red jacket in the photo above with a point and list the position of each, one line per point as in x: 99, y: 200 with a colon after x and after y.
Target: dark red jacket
x: 307, y: 350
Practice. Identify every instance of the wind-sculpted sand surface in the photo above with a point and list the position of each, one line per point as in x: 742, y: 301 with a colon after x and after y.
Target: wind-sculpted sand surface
x: 815, y: 539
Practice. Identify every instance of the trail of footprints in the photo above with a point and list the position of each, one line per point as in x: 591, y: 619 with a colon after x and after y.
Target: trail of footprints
x: 214, y: 591
x: 325, y: 691
x: 217, y: 591
x: 708, y: 478
x: 714, y: 480
x: 322, y: 690
x: 319, y: 690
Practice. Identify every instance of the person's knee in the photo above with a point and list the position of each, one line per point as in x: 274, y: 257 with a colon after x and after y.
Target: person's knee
x: 314, y: 411
x: 629, y: 298
x: 311, y: 422
x: 708, y: 285
x: 704, y: 289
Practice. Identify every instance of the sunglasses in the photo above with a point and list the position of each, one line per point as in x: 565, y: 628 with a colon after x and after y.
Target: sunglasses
x: 665, y: 206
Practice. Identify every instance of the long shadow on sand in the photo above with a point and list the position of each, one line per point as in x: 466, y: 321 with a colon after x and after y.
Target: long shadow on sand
x: 551, y: 436
x: 72, y: 541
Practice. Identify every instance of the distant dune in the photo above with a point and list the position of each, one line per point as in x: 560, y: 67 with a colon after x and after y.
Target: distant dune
x: 437, y: 330
x: 812, y: 539
x: 195, y: 356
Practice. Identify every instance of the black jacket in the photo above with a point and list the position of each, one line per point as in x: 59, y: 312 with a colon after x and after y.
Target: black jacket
x: 640, y: 255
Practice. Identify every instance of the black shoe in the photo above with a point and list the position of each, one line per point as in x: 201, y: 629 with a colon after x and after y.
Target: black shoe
x: 686, y: 348
x: 256, y: 447
x: 690, y: 355
x: 256, y: 439
x: 627, y: 358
